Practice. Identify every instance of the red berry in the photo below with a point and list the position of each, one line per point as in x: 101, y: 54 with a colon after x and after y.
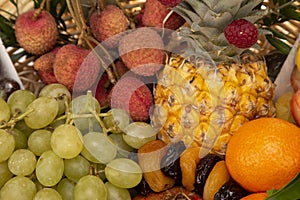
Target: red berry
x: 241, y: 33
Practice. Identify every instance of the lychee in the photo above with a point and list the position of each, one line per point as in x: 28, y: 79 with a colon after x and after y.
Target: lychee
x: 76, y: 68
x: 37, y: 35
x: 156, y: 15
x: 170, y: 3
x: 44, y: 66
x: 110, y: 22
x: 121, y: 68
x: 102, y: 90
x: 133, y: 96
x: 142, y: 51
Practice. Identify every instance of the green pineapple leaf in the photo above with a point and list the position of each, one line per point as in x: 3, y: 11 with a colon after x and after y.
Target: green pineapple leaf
x: 278, y: 44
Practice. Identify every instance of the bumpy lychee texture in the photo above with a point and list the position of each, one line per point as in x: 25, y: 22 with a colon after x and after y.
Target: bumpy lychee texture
x: 76, y: 68
x: 110, y: 22
x: 241, y: 33
x: 133, y: 96
x: 170, y: 3
x: 142, y: 51
x: 36, y: 35
x: 155, y: 16
x: 44, y: 66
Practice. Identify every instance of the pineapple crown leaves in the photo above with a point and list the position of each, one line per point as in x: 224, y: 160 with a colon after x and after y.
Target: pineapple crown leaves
x: 207, y: 20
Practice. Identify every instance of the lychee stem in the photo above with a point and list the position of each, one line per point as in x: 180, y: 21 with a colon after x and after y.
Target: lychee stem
x: 100, y: 5
x: 39, y: 10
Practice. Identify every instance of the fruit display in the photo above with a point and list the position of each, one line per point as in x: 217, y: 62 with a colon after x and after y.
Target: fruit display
x: 151, y: 100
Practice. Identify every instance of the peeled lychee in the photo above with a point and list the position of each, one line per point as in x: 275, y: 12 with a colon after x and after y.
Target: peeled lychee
x: 133, y: 96
x: 110, y: 22
x: 36, y: 35
x: 156, y: 15
x: 44, y: 66
x: 76, y: 68
x: 142, y: 51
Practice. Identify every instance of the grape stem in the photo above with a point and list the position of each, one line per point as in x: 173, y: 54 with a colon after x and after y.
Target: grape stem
x: 12, y: 122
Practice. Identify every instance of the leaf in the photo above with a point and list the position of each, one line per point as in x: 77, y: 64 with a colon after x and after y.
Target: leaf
x: 278, y: 44
x: 290, y: 191
x: 290, y: 12
x: 278, y: 34
x: 7, y: 33
x: 16, y: 57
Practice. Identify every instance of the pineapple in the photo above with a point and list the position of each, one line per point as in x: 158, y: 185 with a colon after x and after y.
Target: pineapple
x: 211, y: 88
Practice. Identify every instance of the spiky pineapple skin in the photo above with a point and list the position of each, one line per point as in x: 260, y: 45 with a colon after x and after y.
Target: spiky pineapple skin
x: 36, y: 36
x: 204, y: 105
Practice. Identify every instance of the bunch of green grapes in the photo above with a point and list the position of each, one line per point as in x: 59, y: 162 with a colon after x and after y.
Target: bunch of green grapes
x: 53, y: 146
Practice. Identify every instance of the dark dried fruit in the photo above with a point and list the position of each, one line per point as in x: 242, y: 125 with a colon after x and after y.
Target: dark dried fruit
x: 203, y: 170
x: 8, y: 86
x: 231, y: 190
x: 170, y: 164
x: 143, y: 187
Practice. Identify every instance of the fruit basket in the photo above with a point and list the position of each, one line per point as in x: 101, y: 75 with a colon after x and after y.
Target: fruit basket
x: 151, y: 99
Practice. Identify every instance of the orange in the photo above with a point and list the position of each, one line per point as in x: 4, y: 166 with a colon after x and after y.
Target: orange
x: 255, y: 196
x: 264, y: 154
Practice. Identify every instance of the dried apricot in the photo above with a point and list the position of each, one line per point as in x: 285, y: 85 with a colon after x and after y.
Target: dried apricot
x: 188, y: 163
x: 217, y: 177
x: 150, y: 156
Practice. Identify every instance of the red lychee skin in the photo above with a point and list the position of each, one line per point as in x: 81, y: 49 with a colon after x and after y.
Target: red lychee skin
x: 170, y: 3
x: 121, y: 68
x: 44, y: 66
x: 241, y: 33
x: 76, y: 68
x: 155, y: 14
x: 36, y: 36
x: 142, y: 51
x: 103, y: 90
x: 133, y: 96
x: 110, y: 22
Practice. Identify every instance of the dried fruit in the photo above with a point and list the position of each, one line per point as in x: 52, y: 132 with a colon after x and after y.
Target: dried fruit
x: 231, y: 190
x: 170, y: 164
x: 150, y: 155
x: 36, y: 34
x: 170, y: 3
x: 204, y: 167
x: 216, y: 179
x: 188, y: 164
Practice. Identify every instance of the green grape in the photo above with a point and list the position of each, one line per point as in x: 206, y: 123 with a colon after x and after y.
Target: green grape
x: 5, y: 174
x: 90, y: 187
x: 76, y: 168
x: 22, y: 126
x: 47, y: 194
x: 4, y: 111
x: 44, y: 112
x: 60, y: 93
x: 19, y: 100
x: 20, y: 139
x: 66, y: 141
x: 84, y: 104
x: 49, y: 169
x: 116, y: 193
x: 19, y: 187
x: 100, y: 146
x: 7, y: 145
x: 87, y: 155
x: 66, y: 189
x: 139, y: 133
x: 39, y: 141
x: 123, y: 148
x: 118, y: 119
x: 123, y: 173
x: 22, y: 162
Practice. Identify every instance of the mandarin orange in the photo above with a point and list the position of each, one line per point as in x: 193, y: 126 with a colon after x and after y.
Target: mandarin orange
x: 264, y: 154
x: 255, y: 196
